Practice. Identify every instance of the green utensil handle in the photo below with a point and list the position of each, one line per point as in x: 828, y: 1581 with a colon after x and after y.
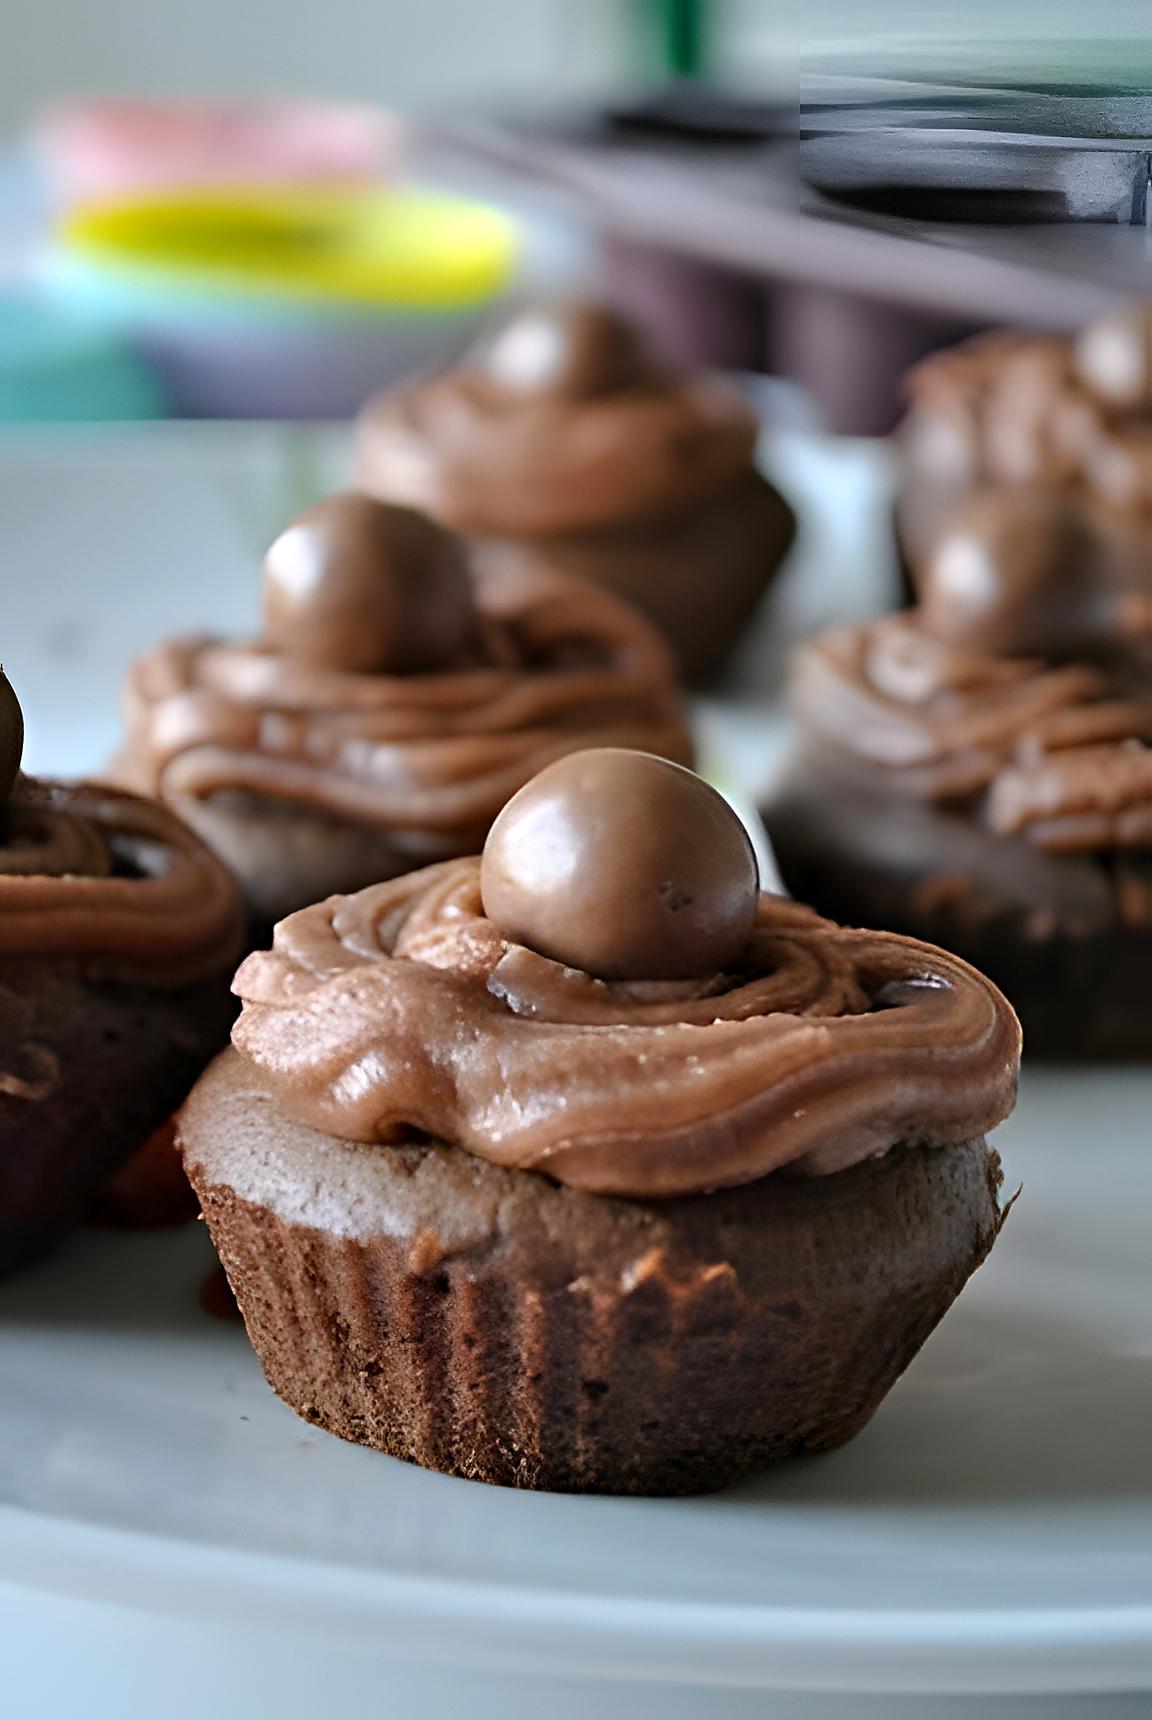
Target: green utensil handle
x: 677, y: 31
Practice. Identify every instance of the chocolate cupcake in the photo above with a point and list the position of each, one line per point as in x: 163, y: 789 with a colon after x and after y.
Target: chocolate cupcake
x: 978, y: 772
x: 563, y: 442
x: 1065, y: 420
x: 119, y: 933
x: 586, y: 1167
x: 393, y: 704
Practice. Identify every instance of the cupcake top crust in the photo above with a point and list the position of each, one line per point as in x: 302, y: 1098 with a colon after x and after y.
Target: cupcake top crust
x: 737, y: 1033
x: 99, y: 877
x: 396, y: 687
x: 1025, y: 409
x: 562, y: 420
x: 1010, y: 692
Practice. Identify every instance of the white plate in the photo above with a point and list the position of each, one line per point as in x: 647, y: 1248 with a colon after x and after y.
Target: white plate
x: 991, y: 1531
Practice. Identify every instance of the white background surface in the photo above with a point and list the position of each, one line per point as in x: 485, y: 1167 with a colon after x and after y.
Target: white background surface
x: 176, y: 1543
x: 392, y: 51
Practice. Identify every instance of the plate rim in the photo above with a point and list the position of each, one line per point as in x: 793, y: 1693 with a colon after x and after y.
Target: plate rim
x: 961, y: 1651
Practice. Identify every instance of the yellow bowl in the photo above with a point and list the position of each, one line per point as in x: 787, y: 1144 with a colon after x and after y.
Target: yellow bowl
x: 406, y: 250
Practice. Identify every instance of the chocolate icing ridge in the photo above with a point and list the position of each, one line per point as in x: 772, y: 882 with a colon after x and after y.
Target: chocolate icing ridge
x: 490, y: 461
x: 440, y: 752
x: 1059, y: 753
x: 118, y: 883
x: 402, y: 1008
x: 1011, y: 408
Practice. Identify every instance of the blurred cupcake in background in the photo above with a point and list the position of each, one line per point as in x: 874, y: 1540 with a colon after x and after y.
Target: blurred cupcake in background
x: 563, y: 441
x: 119, y: 935
x: 1031, y: 415
x: 977, y: 772
x: 393, y: 703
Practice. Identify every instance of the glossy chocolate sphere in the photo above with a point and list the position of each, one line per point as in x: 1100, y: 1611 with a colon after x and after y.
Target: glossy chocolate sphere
x: 1114, y: 358
x: 364, y: 586
x: 11, y: 736
x: 1013, y: 575
x: 624, y: 866
x: 573, y: 350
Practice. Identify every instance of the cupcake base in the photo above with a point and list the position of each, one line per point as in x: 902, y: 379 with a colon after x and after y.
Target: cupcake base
x: 699, y: 575
x: 1067, y: 938
x: 87, y: 1072
x: 494, y: 1325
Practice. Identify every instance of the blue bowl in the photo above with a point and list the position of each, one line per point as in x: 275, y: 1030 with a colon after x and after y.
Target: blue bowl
x: 57, y: 368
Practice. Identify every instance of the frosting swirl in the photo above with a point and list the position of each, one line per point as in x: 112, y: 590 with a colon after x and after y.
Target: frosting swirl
x: 1018, y: 409
x: 402, y: 1008
x: 439, y: 753
x: 1052, y: 753
x: 497, y: 462
x: 1079, y: 799
x: 117, y: 883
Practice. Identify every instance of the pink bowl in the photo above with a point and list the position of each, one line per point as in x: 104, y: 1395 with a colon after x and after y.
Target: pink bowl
x: 98, y: 150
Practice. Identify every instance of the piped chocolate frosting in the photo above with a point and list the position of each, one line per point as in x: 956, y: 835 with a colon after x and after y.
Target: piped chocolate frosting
x: 113, y: 882
x: 707, y: 1059
x: 403, y: 1008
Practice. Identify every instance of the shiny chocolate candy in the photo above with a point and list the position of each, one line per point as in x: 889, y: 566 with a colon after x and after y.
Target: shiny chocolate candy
x: 623, y: 866
x: 11, y: 736
x: 571, y: 350
x: 364, y: 586
x: 1114, y: 358
x: 1015, y: 574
